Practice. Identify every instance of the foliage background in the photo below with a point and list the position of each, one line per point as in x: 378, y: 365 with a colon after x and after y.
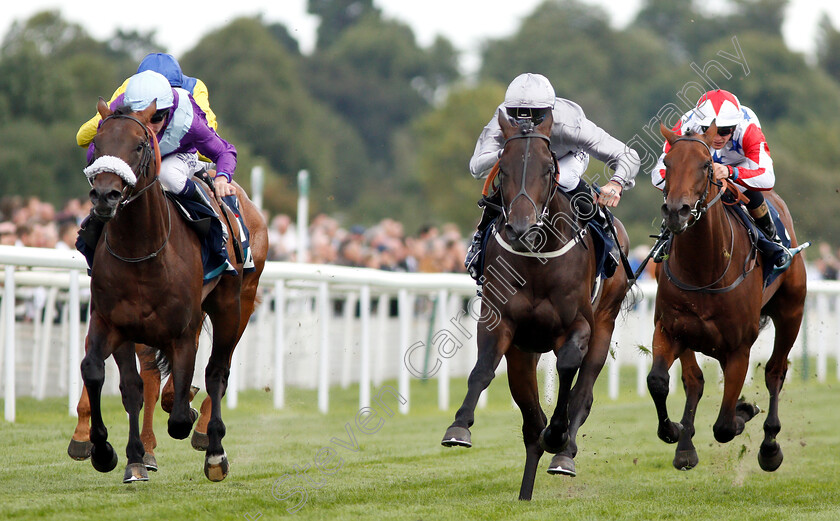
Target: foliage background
x: 386, y: 127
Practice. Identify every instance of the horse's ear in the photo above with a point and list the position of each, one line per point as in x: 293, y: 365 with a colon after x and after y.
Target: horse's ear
x: 709, y: 135
x: 507, y: 127
x: 545, y: 126
x: 103, y: 108
x: 147, y: 113
x: 669, y: 135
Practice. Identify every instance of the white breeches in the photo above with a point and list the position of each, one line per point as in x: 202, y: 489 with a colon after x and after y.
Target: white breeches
x: 570, y: 168
x: 175, y: 169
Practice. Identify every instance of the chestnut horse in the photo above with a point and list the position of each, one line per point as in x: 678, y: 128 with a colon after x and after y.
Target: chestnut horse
x: 538, y: 287
x: 147, y: 287
x: 711, y: 299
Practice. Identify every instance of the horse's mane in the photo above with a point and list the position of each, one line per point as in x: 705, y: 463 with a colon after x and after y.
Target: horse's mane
x: 124, y: 110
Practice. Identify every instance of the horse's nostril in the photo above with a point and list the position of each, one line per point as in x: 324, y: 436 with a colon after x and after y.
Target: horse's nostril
x: 685, y: 211
x: 113, y: 196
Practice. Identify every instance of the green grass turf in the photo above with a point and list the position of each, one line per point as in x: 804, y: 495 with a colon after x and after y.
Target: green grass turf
x: 402, y: 472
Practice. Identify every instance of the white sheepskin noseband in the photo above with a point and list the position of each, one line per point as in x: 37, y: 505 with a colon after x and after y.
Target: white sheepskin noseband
x: 111, y: 164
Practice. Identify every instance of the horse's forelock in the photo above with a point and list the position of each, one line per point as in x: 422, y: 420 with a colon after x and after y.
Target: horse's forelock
x: 123, y: 110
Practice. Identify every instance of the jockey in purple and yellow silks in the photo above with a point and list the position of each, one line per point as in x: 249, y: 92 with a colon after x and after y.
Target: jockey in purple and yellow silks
x: 168, y: 66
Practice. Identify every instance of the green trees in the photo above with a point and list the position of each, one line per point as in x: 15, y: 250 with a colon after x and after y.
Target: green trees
x: 386, y: 127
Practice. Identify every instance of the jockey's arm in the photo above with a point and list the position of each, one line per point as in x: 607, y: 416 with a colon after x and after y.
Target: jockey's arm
x: 88, y: 130
x: 612, y: 152
x: 488, y: 149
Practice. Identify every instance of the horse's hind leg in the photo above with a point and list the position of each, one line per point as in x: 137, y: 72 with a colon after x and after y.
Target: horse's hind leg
x: 131, y: 388
x: 770, y: 454
x: 522, y: 379
x: 150, y: 375
x: 685, y: 456
x: 80, y: 445
x: 658, y: 381
x: 555, y: 438
x: 491, y: 347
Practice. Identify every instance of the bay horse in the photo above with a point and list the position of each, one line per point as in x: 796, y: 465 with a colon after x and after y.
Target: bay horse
x: 539, y: 277
x: 147, y: 287
x: 711, y: 299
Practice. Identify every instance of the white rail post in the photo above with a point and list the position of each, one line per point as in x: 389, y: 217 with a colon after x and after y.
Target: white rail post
x: 443, y: 373
x: 9, y: 351
x: 615, y: 366
x: 279, y: 343
x: 74, y: 385
x: 381, y: 353
x: 303, y: 216
x: 822, y: 336
x: 347, y: 359
x: 642, y: 360
x: 324, y: 361
x: 364, y: 370
x: 405, y: 312
x: 257, y: 184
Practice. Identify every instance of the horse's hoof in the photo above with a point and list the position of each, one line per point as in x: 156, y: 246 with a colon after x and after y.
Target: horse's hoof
x: 562, y: 464
x: 747, y: 411
x: 669, y: 432
x: 553, y: 449
x: 79, y: 450
x: 180, y: 430
x: 216, y: 467
x: 200, y: 440
x: 770, y: 457
x: 135, y: 472
x: 150, y: 462
x: 685, y: 459
x: 105, y: 460
x: 457, y: 437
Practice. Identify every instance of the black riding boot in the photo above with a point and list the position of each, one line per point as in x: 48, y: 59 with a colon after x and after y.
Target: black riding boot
x: 766, y: 225
x: 472, y: 262
x: 583, y: 203
x: 90, y: 230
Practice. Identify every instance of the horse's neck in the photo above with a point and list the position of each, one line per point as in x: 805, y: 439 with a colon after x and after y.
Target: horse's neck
x: 142, y: 222
x: 560, y: 225
x: 709, y: 243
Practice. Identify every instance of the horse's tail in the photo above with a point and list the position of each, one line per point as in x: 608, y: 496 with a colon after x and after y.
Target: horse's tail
x: 160, y: 362
x: 631, y: 299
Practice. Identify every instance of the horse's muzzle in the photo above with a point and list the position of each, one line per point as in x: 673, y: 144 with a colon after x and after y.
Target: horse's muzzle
x: 105, y: 202
x: 676, y: 216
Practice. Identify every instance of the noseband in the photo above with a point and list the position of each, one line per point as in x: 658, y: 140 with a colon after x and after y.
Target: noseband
x: 528, y: 134
x: 700, y: 207
x: 142, y: 169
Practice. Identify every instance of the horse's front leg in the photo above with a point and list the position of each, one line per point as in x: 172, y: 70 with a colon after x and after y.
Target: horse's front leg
x: 734, y: 413
x: 100, y: 342
x: 685, y: 457
x: 522, y: 379
x: 80, y: 445
x: 131, y: 389
x: 664, y: 354
x: 182, y: 416
x: 555, y: 437
x: 492, y: 344
x: 580, y: 402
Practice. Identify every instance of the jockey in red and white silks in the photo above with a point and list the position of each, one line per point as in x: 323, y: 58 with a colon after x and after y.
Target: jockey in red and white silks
x: 746, y: 155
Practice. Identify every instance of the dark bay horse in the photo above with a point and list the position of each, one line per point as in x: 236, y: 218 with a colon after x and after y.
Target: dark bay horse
x: 711, y: 298
x: 539, y: 277
x: 147, y: 287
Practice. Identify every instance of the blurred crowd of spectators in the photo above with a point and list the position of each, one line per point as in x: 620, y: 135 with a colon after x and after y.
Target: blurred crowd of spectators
x: 385, y: 245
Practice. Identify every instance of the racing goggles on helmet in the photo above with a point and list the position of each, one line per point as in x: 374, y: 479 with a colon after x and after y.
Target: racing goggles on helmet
x: 159, y: 115
x: 721, y: 131
x: 535, y: 115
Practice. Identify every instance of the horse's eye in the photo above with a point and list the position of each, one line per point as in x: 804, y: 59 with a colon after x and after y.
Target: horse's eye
x: 139, y: 147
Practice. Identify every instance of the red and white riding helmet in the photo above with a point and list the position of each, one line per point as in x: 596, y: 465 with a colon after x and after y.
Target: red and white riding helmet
x: 720, y: 106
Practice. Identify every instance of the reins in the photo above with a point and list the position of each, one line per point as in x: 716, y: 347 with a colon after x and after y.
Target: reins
x: 150, y: 149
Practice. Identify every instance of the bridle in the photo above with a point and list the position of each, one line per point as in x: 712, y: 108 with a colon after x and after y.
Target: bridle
x: 700, y: 208
x: 129, y: 195
x: 527, y: 133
